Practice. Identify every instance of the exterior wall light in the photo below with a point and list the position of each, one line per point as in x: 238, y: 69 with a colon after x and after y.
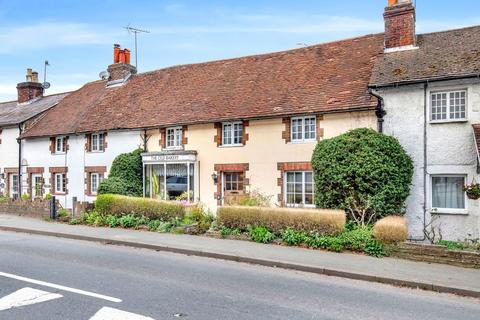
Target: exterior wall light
x: 215, y: 178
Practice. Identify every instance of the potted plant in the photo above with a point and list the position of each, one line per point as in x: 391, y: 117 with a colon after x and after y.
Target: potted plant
x: 472, y: 190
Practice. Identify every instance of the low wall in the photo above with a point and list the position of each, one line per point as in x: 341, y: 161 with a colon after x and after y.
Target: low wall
x: 436, y: 254
x: 38, y: 208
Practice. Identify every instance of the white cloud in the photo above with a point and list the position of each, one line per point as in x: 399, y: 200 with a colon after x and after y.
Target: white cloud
x: 51, y: 35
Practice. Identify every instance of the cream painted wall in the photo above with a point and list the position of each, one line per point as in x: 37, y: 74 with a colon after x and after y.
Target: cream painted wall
x: 263, y: 150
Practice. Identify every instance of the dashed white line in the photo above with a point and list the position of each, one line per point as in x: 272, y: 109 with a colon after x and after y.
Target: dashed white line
x: 25, y: 297
x: 60, y: 287
x: 107, y: 313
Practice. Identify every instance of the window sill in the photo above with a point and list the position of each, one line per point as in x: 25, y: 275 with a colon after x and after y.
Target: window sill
x: 448, y: 121
x: 302, y: 141
x: 231, y: 145
x: 448, y: 211
x: 173, y: 148
x: 300, y: 206
x: 102, y: 151
x: 58, y: 153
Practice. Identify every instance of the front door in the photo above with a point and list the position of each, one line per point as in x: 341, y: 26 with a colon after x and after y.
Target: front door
x: 37, y: 186
x: 233, y: 187
x: 13, y: 185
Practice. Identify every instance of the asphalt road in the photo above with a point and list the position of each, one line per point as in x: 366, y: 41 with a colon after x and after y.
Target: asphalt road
x: 162, y: 285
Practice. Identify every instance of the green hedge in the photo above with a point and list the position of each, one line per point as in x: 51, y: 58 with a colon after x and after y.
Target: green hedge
x: 118, y: 205
x: 325, y: 222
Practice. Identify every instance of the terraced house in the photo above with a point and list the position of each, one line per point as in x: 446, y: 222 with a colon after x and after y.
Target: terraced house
x: 212, y: 131
x: 429, y: 86
x: 15, y: 117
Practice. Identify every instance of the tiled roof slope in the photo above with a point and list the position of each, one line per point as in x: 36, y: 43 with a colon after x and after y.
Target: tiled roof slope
x: 453, y: 53
x: 322, y: 78
x: 11, y: 113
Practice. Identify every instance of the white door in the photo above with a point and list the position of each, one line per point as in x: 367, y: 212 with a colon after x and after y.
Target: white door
x: 37, y: 186
x: 13, y: 185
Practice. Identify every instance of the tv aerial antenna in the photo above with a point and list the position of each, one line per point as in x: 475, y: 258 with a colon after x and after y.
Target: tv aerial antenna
x: 135, y: 32
x: 45, y: 84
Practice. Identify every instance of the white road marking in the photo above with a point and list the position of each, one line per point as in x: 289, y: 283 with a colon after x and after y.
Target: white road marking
x: 25, y: 297
x: 107, y: 313
x: 59, y: 287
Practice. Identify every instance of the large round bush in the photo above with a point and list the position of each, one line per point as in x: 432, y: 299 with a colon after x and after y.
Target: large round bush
x: 364, y: 172
x: 126, y: 175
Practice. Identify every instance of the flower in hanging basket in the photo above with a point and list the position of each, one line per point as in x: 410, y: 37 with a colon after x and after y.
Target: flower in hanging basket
x: 472, y: 190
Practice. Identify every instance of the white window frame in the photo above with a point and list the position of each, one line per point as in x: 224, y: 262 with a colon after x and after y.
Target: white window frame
x: 99, y: 146
x: 13, y: 186
x: 99, y: 178
x: 302, y: 126
x: 435, y: 210
x: 177, y: 133
x: 232, y: 132
x: 285, y: 189
x: 62, y: 187
x: 60, y: 142
x: 448, y: 118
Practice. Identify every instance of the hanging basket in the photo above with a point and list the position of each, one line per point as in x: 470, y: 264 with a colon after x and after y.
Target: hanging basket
x: 472, y: 190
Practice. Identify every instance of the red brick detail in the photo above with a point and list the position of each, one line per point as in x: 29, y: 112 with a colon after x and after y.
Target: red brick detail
x: 289, y: 166
x: 30, y: 171
x: 286, y: 130
x: 245, y: 124
x: 220, y: 168
x: 7, y: 172
x: 399, y: 25
x: 163, y: 138
x: 52, y: 145
x: 218, y: 137
x: 184, y: 137
x: 319, y: 128
x: 90, y: 170
x: 53, y: 171
x: 88, y: 142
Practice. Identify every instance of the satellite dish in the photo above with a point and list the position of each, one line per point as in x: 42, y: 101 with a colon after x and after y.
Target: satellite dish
x: 104, y: 75
x: 46, y: 85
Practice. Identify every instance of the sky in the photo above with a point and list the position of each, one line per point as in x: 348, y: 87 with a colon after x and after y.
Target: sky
x: 77, y: 37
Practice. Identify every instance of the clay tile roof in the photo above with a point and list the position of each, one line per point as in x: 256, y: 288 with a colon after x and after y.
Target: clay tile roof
x: 453, y: 53
x: 11, y: 113
x: 323, y: 78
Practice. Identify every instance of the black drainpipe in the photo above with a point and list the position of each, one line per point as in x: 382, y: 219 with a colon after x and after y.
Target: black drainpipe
x: 379, y: 110
x: 19, y: 141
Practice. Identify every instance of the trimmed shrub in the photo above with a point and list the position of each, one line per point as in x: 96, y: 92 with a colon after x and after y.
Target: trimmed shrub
x: 118, y: 205
x: 391, y: 229
x: 126, y: 175
x: 325, y: 222
x: 364, y: 172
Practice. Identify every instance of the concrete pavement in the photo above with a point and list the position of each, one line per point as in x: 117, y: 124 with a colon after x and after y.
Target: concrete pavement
x: 434, y: 277
x: 159, y: 285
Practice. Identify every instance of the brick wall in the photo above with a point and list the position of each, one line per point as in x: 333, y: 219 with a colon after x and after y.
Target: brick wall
x: 399, y: 25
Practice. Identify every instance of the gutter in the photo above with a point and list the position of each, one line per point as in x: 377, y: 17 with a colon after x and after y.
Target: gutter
x: 425, y: 80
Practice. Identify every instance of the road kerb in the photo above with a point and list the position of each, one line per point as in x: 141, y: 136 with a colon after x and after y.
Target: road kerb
x: 257, y: 261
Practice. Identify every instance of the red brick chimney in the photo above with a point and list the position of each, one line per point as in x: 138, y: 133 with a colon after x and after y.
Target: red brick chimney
x: 399, y: 19
x: 29, y: 89
x: 121, y: 67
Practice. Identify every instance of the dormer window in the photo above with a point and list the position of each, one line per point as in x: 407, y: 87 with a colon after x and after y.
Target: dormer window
x: 303, y: 129
x: 98, y: 142
x: 174, y: 137
x: 60, y: 145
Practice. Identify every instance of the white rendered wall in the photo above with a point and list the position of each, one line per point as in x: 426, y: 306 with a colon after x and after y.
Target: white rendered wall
x: 37, y: 154
x: 8, y: 150
x: 450, y: 149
